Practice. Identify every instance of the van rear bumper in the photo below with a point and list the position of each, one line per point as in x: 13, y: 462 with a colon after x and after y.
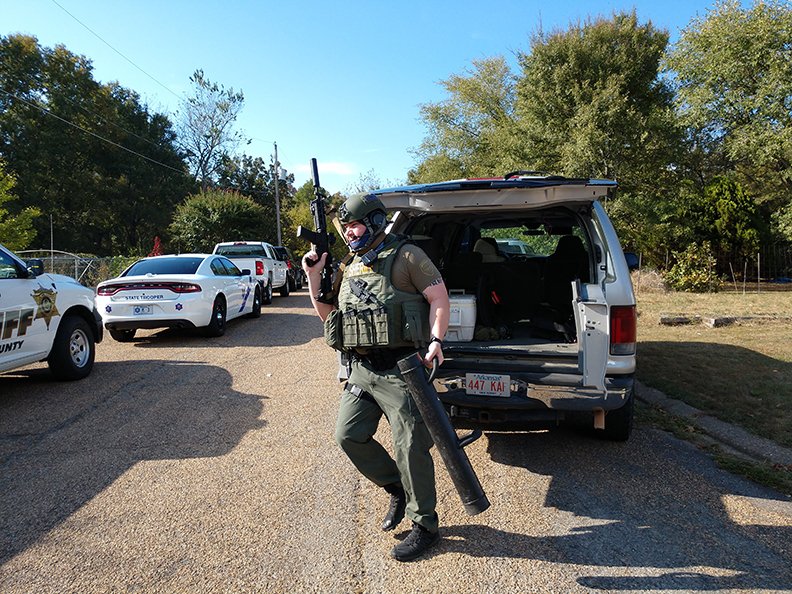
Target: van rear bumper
x: 566, y: 393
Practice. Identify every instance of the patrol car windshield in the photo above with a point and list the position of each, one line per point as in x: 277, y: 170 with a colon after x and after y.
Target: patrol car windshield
x: 165, y: 266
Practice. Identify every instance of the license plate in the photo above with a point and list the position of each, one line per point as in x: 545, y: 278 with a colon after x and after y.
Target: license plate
x: 142, y: 310
x: 488, y: 384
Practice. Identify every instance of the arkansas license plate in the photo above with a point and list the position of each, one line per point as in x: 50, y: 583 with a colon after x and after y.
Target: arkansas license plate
x: 488, y: 384
x: 142, y: 310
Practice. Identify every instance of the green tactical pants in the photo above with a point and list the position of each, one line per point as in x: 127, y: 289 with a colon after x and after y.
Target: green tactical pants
x: 357, y: 422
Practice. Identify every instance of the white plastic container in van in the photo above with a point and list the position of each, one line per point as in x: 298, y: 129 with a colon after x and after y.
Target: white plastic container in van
x: 462, y: 318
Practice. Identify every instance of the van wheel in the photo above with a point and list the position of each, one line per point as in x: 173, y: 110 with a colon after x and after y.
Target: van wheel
x: 266, y: 293
x: 122, y: 335
x: 256, y: 311
x: 217, y: 324
x: 73, y: 350
x: 619, y: 422
x: 284, y: 290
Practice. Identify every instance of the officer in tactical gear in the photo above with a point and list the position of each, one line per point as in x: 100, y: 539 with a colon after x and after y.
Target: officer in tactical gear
x: 391, y: 302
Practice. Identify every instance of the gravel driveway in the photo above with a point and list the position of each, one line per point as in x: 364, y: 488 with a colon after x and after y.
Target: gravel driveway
x: 186, y: 464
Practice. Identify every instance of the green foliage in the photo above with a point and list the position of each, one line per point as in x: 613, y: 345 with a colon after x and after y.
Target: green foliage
x: 588, y: 102
x: 782, y: 222
x: 16, y: 231
x: 210, y: 217
x: 471, y: 133
x: 111, y: 268
x: 734, y: 79
x: 591, y: 103
x: 732, y: 216
x: 693, y: 270
x: 53, y: 115
x: 253, y: 177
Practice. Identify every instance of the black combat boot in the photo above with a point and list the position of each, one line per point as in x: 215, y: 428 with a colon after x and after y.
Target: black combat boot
x: 416, y: 544
x: 398, y: 501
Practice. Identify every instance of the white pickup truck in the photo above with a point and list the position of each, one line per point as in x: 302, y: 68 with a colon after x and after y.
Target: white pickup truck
x: 46, y: 317
x: 261, y: 259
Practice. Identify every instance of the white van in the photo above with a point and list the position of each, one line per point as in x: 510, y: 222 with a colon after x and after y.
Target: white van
x: 539, y: 334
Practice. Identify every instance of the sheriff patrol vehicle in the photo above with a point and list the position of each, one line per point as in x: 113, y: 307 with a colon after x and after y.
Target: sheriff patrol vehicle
x: 46, y: 317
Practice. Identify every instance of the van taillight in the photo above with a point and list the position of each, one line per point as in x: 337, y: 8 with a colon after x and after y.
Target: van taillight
x: 623, y: 325
x: 259, y: 267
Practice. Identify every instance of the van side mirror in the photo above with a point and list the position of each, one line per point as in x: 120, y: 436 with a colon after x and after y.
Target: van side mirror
x: 35, y: 266
x: 632, y: 260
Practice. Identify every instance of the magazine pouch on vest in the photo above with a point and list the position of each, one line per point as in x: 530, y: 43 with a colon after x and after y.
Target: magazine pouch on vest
x: 333, y: 330
x: 415, y: 320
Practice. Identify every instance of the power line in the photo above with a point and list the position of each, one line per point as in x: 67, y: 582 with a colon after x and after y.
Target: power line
x: 102, y: 138
x: 99, y: 37
x: 99, y: 117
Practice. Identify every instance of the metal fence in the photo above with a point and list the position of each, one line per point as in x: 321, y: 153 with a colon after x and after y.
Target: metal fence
x: 772, y: 263
x: 88, y: 270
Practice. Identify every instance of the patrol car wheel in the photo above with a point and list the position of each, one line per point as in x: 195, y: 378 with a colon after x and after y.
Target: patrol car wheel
x: 73, y: 350
x: 284, y: 290
x: 256, y: 312
x: 266, y: 295
x: 122, y: 335
x: 217, y: 324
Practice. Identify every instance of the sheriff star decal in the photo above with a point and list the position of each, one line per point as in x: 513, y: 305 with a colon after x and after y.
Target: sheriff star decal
x: 47, y: 309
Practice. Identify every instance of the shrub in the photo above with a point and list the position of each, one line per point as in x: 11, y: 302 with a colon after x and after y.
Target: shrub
x: 694, y: 270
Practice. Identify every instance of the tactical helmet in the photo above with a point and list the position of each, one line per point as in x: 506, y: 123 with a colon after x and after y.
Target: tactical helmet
x: 369, y: 210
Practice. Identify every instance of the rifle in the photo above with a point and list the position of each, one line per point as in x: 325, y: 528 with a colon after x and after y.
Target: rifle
x: 321, y: 238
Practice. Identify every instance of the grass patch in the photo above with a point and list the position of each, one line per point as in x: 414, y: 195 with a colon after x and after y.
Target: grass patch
x: 771, y: 475
x: 740, y: 373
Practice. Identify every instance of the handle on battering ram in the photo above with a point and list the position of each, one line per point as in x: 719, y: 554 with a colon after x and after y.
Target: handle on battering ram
x: 320, y: 237
x: 443, y: 434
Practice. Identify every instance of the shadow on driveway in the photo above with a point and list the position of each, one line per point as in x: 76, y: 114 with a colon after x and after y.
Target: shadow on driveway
x: 61, y: 444
x: 653, y: 502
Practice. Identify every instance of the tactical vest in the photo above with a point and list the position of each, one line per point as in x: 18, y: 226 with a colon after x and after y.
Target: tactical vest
x: 372, y: 312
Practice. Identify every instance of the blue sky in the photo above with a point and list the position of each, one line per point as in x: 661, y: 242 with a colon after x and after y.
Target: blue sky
x: 339, y: 81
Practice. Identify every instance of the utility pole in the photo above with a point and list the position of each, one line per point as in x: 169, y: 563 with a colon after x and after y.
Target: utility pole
x: 277, y: 193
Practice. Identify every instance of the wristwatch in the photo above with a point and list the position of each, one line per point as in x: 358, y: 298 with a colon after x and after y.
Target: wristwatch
x: 437, y: 340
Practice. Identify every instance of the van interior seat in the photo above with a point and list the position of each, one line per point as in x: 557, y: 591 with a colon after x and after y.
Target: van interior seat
x: 488, y: 248
x: 568, y: 262
x: 463, y: 272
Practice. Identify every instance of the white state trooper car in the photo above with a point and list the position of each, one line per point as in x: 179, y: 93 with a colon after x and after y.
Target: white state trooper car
x: 177, y: 291
x: 45, y: 317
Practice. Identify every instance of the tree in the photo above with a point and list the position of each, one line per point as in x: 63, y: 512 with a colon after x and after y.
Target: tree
x: 733, y: 72
x: 16, y: 232
x: 471, y: 133
x: 733, y: 224
x: 253, y: 177
x: 210, y: 217
x: 90, y: 155
x: 591, y: 103
x: 206, y: 128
